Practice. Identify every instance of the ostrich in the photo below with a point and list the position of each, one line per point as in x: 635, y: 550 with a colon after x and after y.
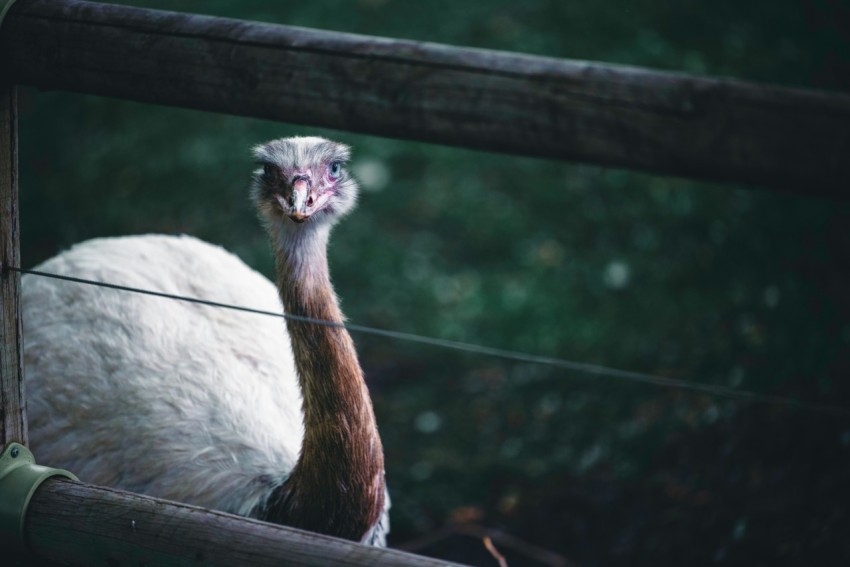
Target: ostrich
x: 208, y: 406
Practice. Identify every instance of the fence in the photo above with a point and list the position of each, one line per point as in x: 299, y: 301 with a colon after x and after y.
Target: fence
x: 718, y: 129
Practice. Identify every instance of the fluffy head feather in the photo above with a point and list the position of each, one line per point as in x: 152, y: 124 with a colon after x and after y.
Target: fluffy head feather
x: 303, y: 180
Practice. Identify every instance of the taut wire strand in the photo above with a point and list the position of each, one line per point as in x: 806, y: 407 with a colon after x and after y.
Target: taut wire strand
x: 517, y: 356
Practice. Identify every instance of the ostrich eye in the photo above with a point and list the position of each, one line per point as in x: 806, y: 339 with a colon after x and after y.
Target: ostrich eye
x: 336, y: 169
x: 271, y: 173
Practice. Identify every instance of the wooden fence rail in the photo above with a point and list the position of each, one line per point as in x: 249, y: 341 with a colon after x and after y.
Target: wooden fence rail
x: 670, y: 123
x: 79, y: 524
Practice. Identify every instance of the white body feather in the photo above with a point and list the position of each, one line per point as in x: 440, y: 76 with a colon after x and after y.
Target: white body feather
x: 167, y: 398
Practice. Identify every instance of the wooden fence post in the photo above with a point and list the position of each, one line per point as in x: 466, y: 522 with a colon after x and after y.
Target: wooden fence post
x: 13, y: 417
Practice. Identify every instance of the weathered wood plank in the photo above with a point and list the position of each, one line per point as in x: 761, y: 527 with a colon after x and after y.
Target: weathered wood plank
x: 79, y: 524
x: 711, y: 128
x: 13, y: 418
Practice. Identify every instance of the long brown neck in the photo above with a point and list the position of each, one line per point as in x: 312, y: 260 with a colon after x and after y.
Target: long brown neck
x: 337, y: 485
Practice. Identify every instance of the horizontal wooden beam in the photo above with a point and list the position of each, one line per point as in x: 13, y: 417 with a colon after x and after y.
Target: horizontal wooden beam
x: 711, y: 128
x: 79, y: 524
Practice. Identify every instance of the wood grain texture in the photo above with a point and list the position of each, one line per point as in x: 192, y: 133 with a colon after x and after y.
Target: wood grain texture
x: 712, y: 128
x: 13, y: 417
x: 79, y: 524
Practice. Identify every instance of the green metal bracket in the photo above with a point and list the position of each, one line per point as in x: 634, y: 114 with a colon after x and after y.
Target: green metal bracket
x: 19, y: 479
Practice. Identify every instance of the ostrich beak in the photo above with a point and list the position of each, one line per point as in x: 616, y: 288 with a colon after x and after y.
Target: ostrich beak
x: 302, y: 199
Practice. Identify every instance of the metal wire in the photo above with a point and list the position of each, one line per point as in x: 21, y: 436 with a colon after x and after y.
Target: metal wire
x: 516, y: 356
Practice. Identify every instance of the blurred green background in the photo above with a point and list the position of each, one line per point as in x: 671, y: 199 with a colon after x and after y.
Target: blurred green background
x: 714, y: 284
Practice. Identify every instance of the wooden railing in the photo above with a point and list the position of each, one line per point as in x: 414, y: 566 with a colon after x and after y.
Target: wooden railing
x: 718, y: 129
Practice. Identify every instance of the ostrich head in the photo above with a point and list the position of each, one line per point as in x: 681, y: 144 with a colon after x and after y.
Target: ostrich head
x: 303, y: 180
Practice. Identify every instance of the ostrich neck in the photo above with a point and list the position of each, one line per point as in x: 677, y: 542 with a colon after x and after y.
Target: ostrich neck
x: 337, y: 485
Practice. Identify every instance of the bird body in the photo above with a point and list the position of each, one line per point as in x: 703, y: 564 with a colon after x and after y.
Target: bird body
x: 224, y: 409
x: 147, y: 394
